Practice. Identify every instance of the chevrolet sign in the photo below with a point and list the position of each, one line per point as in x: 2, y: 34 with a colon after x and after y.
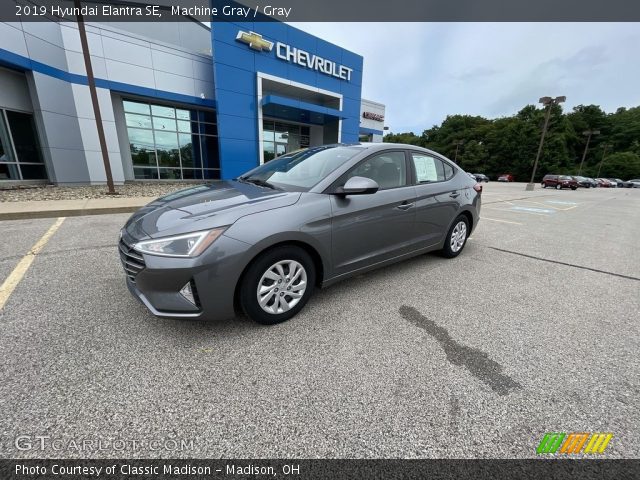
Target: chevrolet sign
x: 314, y: 62
x: 373, y: 116
x: 295, y: 55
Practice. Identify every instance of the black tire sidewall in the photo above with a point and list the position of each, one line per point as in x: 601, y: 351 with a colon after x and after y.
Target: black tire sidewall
x: 446, y: 250
x: 249, y: 283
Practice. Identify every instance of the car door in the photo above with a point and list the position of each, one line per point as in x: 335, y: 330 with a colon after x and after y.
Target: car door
x: 371, y: 228
x: 437, y: 192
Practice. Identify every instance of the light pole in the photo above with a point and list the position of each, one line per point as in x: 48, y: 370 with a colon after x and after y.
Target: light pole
x: 457, y: 143
x: 604, y: 152
x: 588, y: 134
x: 548, y: 102
x: 94, y: 99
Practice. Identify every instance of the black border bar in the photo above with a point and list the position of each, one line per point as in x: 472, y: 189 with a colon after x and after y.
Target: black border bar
x: 119, y: 469
x: 336, y: 10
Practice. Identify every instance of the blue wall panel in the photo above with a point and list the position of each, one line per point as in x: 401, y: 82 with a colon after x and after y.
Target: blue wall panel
x: 235, y: 74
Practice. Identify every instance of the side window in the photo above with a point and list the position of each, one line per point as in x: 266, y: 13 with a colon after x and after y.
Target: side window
x: 448, y: 171
x: 429, y: 169
x: 388, y: 169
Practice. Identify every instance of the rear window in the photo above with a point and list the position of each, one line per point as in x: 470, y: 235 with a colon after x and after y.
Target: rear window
x: 448, y: 171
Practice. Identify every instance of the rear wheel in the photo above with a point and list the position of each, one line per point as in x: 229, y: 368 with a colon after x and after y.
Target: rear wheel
x: 456, y: 237
x: 277, y: 285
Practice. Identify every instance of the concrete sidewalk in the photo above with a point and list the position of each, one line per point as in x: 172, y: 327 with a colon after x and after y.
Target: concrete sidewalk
x: 71, y: 208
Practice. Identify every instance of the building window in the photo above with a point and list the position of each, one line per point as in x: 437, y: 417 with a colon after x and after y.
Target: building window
x: 20, y: 154
x: 171, y: 143
x: 279, y: 138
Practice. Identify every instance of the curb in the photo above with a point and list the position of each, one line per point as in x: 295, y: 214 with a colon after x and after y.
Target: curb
x: 75, y: 212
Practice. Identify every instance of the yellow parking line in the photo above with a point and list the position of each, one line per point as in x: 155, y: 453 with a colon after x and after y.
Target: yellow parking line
x: 14, y: 278
x: 496, y: 220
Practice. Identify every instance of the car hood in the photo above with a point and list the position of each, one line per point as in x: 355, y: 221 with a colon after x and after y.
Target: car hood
x: 203, y: 207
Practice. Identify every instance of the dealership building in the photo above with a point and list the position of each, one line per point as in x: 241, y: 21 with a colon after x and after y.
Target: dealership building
x: 178, y: 100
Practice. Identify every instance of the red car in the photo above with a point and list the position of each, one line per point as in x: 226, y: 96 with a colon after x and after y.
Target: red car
x: 559, y: 182
x: 604, y: 183
x: 505, y: 177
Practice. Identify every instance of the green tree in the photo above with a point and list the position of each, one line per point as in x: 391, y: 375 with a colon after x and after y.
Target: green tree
x: 408, y: 138
x: 625, y: 165
x: 510, y: 144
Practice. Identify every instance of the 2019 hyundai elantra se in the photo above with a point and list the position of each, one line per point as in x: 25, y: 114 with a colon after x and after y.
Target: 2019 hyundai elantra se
x: 307, y: 219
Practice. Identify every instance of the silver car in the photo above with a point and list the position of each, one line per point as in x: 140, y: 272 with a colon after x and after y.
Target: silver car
x: 263, y: 241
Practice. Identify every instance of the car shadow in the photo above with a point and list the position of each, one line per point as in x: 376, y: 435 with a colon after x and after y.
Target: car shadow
x: 199, y: 329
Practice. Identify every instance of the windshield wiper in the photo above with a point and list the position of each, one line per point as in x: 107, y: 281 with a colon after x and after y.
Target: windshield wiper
x: 259, y: 182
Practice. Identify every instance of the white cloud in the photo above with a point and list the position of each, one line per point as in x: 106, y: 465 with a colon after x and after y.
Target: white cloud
x: 424, y: 71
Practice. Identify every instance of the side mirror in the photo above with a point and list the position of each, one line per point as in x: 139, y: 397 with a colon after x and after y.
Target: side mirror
x: 359, y: 186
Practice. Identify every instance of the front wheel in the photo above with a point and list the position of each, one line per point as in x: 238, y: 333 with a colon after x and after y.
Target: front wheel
x: 558, y: 187
x: 574, y: 188
x: 277, y: 285
x: 456, y: 237
x: 544, y: 185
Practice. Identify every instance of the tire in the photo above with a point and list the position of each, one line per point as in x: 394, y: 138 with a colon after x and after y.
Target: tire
x: 558, y: 187
x: 574, y: 188
x: 280, y: 305
x: 449, y: 251
x: 544, y: 185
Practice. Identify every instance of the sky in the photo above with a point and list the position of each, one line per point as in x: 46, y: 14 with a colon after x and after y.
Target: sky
x: 423, y: 72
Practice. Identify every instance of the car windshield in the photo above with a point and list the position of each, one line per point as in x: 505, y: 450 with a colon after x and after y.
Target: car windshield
x: 301, y: 170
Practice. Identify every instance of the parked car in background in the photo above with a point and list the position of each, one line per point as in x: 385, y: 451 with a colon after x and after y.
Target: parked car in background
x: 506, y: 177
x: 481, y: 177
x: 604, y: 183
x: 266, y: 239
x: 583, y: 181
x: 635, y: 183
x: 619, y: 183
x: 559, y: 182
x: 594, y: 184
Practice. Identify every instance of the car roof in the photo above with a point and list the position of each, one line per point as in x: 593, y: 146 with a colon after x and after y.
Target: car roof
x: 381, y: 146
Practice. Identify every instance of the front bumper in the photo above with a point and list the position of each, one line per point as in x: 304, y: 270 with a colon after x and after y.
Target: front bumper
x: 213, y: 276
x: 145, y: 301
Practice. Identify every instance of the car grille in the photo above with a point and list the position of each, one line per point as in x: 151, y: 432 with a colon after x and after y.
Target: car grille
x: 132, y: 261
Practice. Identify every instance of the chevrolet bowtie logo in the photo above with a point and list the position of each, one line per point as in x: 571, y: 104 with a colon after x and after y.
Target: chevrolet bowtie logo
x: 255, y: 41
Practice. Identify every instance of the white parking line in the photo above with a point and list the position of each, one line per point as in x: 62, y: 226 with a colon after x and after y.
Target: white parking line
x: 503, y: 221
x: 546, y: 204
x: 532, y: 209
x: 515, y: 212
x: 561, y: 202
x: 14, y: 278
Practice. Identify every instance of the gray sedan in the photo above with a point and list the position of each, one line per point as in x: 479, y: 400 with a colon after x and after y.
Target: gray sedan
x: 263, y: 241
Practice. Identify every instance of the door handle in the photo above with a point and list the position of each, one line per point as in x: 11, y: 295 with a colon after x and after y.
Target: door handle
x: 405, y: 205
x: 454, y: 195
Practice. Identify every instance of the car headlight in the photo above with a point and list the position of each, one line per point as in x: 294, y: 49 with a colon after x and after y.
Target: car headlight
x: 186, y: 245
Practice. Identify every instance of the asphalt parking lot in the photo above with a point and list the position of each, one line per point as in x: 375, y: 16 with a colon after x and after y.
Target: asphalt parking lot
x: 533, y: 329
